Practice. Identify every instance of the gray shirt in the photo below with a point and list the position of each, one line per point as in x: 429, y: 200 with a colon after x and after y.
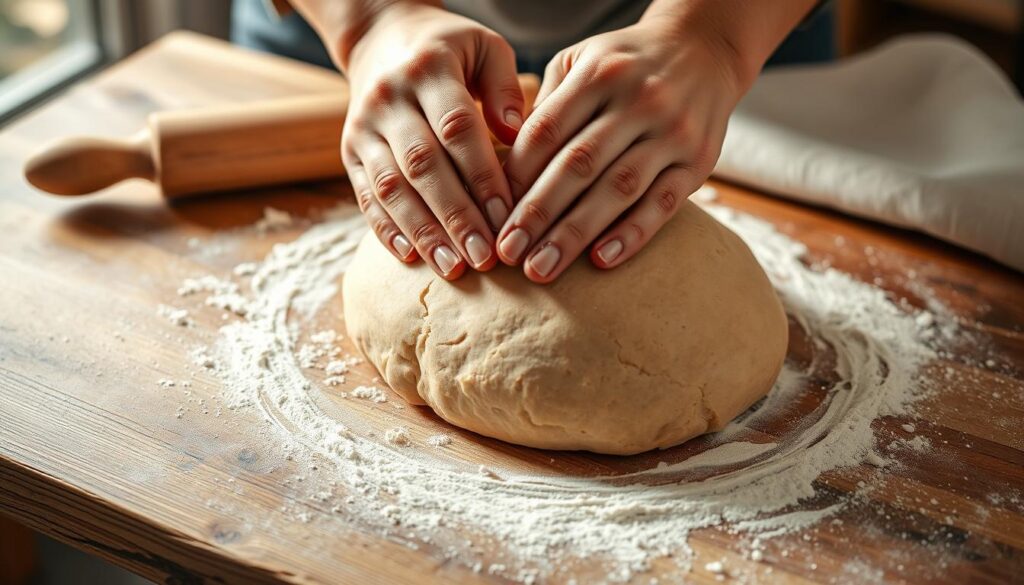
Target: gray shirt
x: 536, y: 29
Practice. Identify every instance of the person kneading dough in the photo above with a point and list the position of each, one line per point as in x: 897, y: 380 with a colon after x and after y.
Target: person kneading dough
x: 671, y: 344
x: 627, y: 123
x: 654, y: 324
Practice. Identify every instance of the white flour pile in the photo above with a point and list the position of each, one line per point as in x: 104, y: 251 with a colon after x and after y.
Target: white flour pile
x: 865, y: 350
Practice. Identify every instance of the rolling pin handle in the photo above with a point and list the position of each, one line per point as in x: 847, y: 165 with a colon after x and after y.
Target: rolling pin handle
x: 78, y: 166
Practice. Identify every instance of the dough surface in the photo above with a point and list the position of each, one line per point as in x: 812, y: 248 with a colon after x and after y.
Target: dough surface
x: 672, y: 344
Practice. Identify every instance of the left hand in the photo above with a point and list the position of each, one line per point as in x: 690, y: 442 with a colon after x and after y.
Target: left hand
x: 627, y: 125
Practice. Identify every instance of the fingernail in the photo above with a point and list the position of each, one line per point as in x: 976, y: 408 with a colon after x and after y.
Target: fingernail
x: 609, y: 251
x: 497, y: 213
x: 401, y: 245
x: 515, y: 244
x: 514, y: 119
x: 479, y: 251
x: 445, y: 259
x: 544, y: 261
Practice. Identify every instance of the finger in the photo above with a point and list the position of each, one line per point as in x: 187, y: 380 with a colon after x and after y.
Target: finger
x: 661, y: 201
x: 618, y: 188
x: 426, y: 166
x: 409, y: 212
x: 376, y: 217
x: 574, y: 169
x: 550, y: 126
x: 554, y: 73
x: 461, y: 130
x: 497, y: 85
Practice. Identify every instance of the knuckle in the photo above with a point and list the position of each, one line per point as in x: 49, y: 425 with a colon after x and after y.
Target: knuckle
x: 382, y: 226
x: 456, y: 217
x: 387, y: 183
x: 535, y: 214
x: 681, y: 126
x: 555, y: 65
x: 637, y: 230
x: 353, y: 131
x: 349, y: 160
x: 490, y: 37
x: 462, y: 34
x: 481, y: 178
x: 575, y: 232
x: 426, y: 234
x: 427, y: 62
x: 381, y: 92
x: 420, y: 159
x: 348, y: 157
x: 543, y: 131
x: 667, y: 201
x: 456, y: 123
x: 626, y: 181
x: 579, y: 159
x: 498, y: 43
x: 611, y: 69
x: 365, y: 199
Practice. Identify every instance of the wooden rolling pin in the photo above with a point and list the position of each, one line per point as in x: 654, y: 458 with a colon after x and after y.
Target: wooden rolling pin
x: 189, y: 152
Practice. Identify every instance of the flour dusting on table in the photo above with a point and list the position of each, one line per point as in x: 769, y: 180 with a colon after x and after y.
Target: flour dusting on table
x: 864, y: 351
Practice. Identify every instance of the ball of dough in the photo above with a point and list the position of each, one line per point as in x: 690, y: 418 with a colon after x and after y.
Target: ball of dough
x: 672, y: 344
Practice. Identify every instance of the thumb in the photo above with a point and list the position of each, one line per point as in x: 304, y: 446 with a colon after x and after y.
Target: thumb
x: 500, y: 94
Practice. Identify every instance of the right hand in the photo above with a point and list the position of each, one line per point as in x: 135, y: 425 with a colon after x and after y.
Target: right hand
x: 415, y: 145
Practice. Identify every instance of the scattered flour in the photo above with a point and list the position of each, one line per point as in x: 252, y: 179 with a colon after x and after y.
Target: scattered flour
x: 715, y: 567
x: 871, y: 348
x: 876, y: 460
x: 201, y: 357
x: 340, y: 367
x: 223, y: 294
x: 179, y: 317
x: 322, y: 346
x: 245, y: 269
x: 371, y: 393
x: 398, y: 436
x: 440, y: 440
x: 210, y: 284
x: 918, y: 443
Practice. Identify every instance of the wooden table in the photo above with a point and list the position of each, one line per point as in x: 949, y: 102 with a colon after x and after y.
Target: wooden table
x: 91, y: 451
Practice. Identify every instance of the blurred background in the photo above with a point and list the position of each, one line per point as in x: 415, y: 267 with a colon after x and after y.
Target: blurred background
x: 47, y: 44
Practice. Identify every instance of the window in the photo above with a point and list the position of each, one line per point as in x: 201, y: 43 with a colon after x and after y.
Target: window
x: 44, y: 44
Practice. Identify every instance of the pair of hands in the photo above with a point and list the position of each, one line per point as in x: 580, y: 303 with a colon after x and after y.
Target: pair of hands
x: 626, y: 125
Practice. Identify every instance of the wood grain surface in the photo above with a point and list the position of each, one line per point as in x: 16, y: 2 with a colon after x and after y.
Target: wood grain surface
x: 92, y: 451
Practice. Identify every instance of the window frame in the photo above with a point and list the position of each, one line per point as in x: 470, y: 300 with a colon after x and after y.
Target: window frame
x: 29, y: 87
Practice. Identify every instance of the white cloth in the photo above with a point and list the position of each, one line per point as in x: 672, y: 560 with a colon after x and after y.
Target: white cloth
x: 923, y: 132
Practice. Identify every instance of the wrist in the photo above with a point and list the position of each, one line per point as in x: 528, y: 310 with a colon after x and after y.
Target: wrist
x: 712, y: 23
x: 348, y: 25
x: 743, y: 34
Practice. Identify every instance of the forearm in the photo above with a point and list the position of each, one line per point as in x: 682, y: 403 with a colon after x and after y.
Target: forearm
x: 749, y: 30
x: 340, y: 24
